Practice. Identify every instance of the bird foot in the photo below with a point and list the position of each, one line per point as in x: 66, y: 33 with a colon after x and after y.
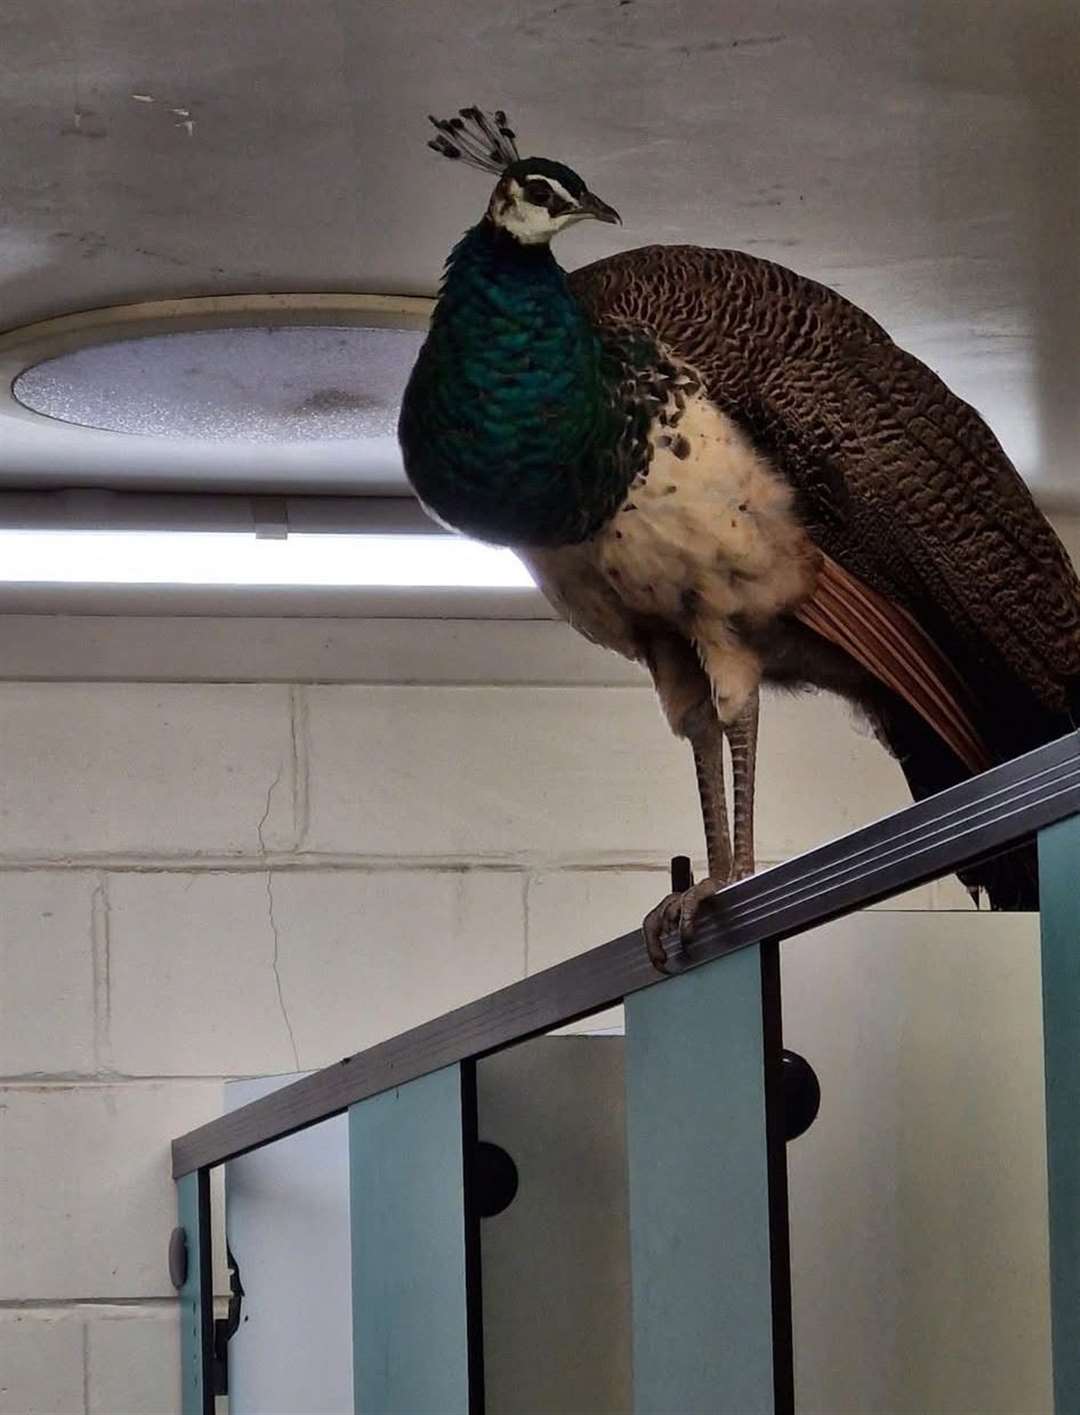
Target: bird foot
x: 676, y: 914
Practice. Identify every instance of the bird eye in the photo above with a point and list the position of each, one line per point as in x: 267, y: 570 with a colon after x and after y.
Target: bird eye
x: 537, y: 191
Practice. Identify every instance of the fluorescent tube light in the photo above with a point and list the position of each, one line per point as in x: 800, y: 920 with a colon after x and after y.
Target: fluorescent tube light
x: 81, y: 557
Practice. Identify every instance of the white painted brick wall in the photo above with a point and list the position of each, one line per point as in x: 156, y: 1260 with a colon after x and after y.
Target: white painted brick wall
x: 86, y: 1190
x: 144, y: 769
x: 205, y: 879
x: 41, y: 1363
x: 89, y: 1359
x: 47, y: 980
x: 564, y: 775
x: 323, y: 961
x: 132, y: 1359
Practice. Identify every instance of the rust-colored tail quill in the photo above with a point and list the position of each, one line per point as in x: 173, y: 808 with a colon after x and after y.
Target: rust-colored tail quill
x: 888, y: 642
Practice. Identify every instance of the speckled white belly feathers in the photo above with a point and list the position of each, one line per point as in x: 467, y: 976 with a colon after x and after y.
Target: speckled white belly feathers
x: 706, y: 540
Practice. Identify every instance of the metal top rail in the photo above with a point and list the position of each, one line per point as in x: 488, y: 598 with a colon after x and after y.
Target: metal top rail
x: 976, y: 819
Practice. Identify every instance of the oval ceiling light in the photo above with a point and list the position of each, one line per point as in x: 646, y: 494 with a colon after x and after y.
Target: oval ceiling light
x: 293, y: 383
x: 250, y: 393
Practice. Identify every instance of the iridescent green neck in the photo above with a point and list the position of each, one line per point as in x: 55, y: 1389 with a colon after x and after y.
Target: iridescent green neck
x: 511, y: 427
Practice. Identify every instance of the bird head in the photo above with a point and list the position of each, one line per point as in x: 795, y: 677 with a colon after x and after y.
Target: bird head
x: 534, y: 198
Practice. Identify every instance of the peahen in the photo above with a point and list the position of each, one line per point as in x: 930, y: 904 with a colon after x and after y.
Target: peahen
x: 729, y: 472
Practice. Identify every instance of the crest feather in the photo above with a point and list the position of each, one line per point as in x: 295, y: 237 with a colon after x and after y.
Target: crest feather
x: 478, y: 139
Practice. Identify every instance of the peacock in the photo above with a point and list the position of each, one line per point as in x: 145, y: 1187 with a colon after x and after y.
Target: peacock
x: 730, y: 473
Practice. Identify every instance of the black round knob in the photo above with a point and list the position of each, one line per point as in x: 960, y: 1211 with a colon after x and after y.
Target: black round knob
x: 178, y: 1257
x: 802, y: 1095
x: 495, y: 1179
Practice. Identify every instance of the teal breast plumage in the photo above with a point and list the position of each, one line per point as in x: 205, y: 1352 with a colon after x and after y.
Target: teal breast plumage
x: 513, y: 425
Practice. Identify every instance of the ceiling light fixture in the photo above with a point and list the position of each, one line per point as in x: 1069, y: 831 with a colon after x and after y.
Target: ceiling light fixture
x: 273, y: 414
x: 227, y: 558
x: 289, y: 394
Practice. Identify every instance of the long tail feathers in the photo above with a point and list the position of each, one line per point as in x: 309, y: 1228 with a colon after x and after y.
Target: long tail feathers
x: 888, y: 642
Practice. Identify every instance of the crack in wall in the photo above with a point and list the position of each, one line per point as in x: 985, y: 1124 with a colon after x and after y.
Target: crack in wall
x: 276, y: 968
x: 266, y: 811
x: 274, y: 961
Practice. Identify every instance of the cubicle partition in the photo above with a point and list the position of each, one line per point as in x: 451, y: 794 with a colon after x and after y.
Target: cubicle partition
x: 704, y: 1111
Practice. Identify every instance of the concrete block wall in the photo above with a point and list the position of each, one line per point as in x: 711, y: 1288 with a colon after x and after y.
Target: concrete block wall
x: 213, y: 878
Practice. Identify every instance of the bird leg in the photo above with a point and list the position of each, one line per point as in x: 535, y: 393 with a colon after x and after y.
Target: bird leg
x: 686, y: 696
x: 742, y: 740
x: 679, y: 909
x: 707, y: 744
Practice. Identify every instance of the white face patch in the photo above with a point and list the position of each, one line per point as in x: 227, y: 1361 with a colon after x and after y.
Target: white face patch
x: 528, y: 223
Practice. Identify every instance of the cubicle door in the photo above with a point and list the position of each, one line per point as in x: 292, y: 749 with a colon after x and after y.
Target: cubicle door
x: 287, y: 1222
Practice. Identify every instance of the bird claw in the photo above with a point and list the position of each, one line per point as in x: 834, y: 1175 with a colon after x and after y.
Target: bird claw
x: 676, y: 913
x: 656, y: 925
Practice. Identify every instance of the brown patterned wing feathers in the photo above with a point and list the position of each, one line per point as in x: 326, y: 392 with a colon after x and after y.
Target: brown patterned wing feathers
x: 899, y: 481
x: 954, y: 507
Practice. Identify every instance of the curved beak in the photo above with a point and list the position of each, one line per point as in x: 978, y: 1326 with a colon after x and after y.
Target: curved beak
x: 592, y: 206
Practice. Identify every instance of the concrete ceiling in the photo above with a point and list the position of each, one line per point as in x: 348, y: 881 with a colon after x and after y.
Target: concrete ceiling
x: 923, y: 158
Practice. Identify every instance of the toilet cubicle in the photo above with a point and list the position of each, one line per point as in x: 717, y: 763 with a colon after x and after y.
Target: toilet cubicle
x: 656, y: 1158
